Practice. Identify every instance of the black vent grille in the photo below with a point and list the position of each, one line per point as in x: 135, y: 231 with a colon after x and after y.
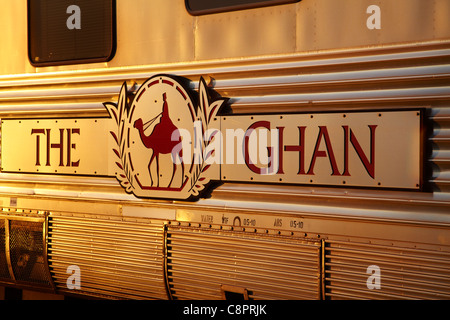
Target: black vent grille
x: 27, y: 252
x: 4, y: 272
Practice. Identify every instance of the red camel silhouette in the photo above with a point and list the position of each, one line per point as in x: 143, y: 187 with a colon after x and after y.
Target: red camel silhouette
x: 160, y: 140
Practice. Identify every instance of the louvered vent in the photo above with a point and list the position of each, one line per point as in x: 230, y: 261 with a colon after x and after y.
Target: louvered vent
x: 201, y: 262
x: 116, y: 258
x: 404, y: 273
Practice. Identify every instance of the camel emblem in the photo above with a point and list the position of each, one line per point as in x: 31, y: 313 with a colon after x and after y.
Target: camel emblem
x: 158, y: 153
x: 160, y: 140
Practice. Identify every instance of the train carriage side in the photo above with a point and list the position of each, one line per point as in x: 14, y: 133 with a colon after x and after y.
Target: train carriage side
x: 351, y: 202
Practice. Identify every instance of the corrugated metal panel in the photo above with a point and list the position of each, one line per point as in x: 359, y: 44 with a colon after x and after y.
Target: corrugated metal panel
x: 201, y: 260
x: 405, y: 273
x: 117, y: 258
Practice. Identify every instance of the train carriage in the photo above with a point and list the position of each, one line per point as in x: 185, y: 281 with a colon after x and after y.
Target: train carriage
x: 223, y: 149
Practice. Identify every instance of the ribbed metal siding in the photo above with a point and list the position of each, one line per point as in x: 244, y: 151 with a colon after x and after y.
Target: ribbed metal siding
x: 117, y: 258
x: 388, y: 78
x: 200, y: 260
x: 367, y: 79
x: 405, y: 273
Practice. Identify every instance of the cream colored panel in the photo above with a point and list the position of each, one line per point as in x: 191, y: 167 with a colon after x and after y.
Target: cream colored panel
x: 327, y: 24
x: 406, y: 20
x: 13, y: 38
x: 157, y: 31
x: 306, y: 25
x: 442, y: 22
x: 246, y: 33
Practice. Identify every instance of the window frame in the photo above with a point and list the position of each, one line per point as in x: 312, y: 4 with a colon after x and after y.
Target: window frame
x: 107, y: 58
x: 251, y: 4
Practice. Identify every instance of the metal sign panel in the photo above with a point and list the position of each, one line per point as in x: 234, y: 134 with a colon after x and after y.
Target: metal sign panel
x: 171, y: 142
x: 57, y: 146
x: 370, y: 149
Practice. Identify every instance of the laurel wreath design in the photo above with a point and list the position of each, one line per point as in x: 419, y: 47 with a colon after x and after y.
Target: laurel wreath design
x: 120, y: 112
x: 205, y: 113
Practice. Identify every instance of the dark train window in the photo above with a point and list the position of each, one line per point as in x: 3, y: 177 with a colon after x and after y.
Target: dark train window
x: 199, y: 7
x: 70, y: 31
